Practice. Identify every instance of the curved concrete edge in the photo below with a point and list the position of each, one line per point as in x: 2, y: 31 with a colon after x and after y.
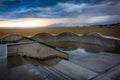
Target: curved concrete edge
x: 93, y: 34
x: 92, y: 38
x: 13, y: 38
x: 67, y: 34
x: 36, y: 34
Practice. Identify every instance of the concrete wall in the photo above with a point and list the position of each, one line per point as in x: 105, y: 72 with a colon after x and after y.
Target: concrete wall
x: 35, y: 50
x: 92, y: 38
x: 46, y: 37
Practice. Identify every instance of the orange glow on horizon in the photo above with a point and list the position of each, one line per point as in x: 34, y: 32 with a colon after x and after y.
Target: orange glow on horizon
x: 26, y: 23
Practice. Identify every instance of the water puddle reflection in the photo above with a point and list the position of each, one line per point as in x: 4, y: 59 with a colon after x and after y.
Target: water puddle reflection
x: 83, y: 47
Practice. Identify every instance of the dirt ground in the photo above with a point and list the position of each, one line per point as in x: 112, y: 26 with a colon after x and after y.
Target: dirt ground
x: 114, y: 31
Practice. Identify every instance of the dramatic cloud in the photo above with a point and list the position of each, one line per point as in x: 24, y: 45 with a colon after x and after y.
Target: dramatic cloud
x: 63, y: 12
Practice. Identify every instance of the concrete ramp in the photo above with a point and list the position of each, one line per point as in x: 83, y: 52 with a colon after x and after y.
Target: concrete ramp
x: 35, y: 50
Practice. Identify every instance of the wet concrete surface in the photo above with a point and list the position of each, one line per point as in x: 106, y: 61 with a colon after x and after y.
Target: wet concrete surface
x: 93, y: 64
x: 3, y: 68
x: 24, y: 71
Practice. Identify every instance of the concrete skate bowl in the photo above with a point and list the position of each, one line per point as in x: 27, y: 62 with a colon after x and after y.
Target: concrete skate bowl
x: 71, y: 41
x: 13, y: 38
x: 65, y: 40
x: 57, y: 40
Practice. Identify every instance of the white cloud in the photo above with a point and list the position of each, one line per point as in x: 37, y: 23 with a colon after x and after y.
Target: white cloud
x: 102, y: 19
x: 94, y: 14
x: 70, y: 7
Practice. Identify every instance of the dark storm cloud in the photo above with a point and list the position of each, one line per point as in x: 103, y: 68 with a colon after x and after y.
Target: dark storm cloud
x: 94, y: 11
x: 48, y: 8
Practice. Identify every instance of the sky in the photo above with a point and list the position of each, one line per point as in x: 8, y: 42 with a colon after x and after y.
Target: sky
x: 58, y: 13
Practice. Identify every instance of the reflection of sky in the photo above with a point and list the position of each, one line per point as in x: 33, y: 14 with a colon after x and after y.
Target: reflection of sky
x: 76, y: 12
x: 78, y: 52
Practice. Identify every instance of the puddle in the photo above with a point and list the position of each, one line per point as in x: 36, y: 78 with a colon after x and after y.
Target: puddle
x: 91, y: 48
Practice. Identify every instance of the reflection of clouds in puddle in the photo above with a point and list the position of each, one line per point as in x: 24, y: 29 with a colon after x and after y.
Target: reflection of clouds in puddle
x: 31, y: 70
x: 81, y: 47
x: 79, y: 51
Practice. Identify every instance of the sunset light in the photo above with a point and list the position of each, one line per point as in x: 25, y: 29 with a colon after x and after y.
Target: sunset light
x: 25, y: 23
